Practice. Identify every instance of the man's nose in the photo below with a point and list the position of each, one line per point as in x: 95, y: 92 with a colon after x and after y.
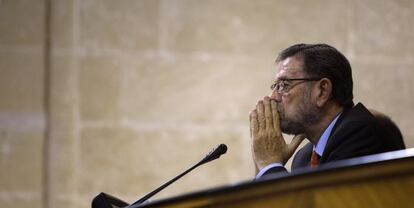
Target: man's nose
x: 275, y: 96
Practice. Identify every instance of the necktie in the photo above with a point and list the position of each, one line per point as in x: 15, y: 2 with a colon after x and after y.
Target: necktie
x: 314, y: 160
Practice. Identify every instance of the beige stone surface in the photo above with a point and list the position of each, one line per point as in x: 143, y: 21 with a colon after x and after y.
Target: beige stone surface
x: 22, y: 119
x: 191, y: 90
x: 131, y: 161
x: 99, y: 88
x: 124, y: 95
x: 21, y: 82
x: 22, y: 23
x: 63, y: 22
x: 21, y: 168
x: 119, y: 24
x: 252, y: 27
x: 61, y: 140
x: 13, y: 145
x: 383, y: 30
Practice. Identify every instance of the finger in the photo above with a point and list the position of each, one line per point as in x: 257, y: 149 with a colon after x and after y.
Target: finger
x: 268, y: 112
x: 294, y: 144
x: 254, y: 127
x: 260, y: 115
x: 275, y: 114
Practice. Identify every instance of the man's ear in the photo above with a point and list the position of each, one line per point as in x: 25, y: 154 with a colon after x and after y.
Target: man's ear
x: 324, y: 91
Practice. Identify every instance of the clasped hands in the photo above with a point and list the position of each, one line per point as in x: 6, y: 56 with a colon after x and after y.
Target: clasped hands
x: 268, y: 144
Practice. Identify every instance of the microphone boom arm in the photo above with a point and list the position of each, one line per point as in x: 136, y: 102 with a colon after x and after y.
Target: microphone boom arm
x: 214, y: 154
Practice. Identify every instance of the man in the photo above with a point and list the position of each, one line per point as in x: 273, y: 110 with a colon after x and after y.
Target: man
x: 312, y: 98
x: 392, y: 130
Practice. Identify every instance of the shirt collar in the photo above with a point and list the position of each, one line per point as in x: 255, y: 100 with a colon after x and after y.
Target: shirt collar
x: 320, y: 146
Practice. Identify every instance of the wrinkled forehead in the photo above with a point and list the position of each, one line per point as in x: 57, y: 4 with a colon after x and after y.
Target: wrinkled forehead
x: 290, y: 67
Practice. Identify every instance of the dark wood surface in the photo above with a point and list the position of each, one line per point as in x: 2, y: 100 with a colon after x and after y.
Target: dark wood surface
x: 383, y: 180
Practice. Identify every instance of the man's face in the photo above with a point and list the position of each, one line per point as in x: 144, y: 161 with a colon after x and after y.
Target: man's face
x: 296, y: 108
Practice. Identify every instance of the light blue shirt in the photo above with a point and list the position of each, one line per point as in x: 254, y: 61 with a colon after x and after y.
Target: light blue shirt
x: 319, y: 148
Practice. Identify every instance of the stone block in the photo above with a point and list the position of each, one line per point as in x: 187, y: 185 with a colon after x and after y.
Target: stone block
x: 63, y: 92
x: 63, y: 24
x: 63, y: 120
x: 22, y: 23
x: 129, y: 162
x: 252, y: 27
x: 21, y: 165
x: 194, y: 90
x: 99, y: 88
x: 383, y: 29
x: 119, y: 25
x: 21, y: 199
x: 21, y: 83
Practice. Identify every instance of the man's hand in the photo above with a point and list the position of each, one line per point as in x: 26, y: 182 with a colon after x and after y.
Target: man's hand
x: 268, y: 144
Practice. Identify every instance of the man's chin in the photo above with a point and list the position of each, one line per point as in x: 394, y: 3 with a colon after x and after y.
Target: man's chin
x: 290, y: 129
x: 286, y: 130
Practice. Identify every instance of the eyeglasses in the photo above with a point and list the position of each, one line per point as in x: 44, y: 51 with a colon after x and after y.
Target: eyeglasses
x: 284, y: 85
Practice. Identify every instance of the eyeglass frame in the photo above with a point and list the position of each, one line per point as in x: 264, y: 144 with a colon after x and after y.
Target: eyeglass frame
x: 274, y: 86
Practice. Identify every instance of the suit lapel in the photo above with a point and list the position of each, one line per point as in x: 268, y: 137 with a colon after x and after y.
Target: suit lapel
x: 302, y: 157
x: 333, y: 141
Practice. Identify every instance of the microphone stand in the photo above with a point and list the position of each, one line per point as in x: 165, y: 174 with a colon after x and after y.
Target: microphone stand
x: 214, y: 154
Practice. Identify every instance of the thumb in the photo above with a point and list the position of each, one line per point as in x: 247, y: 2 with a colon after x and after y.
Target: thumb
x: 294, y: 144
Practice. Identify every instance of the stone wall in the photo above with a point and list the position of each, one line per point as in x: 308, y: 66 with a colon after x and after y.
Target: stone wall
x: 120, y: 96
x: 22, y: 103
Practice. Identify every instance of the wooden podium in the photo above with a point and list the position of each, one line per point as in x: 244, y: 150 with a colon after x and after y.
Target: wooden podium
x: 382, y: 180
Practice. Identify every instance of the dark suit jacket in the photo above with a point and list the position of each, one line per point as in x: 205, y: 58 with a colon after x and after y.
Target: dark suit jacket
x: 356, y: 133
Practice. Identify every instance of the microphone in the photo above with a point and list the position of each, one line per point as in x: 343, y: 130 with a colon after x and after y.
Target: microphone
x: 212, y: 155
